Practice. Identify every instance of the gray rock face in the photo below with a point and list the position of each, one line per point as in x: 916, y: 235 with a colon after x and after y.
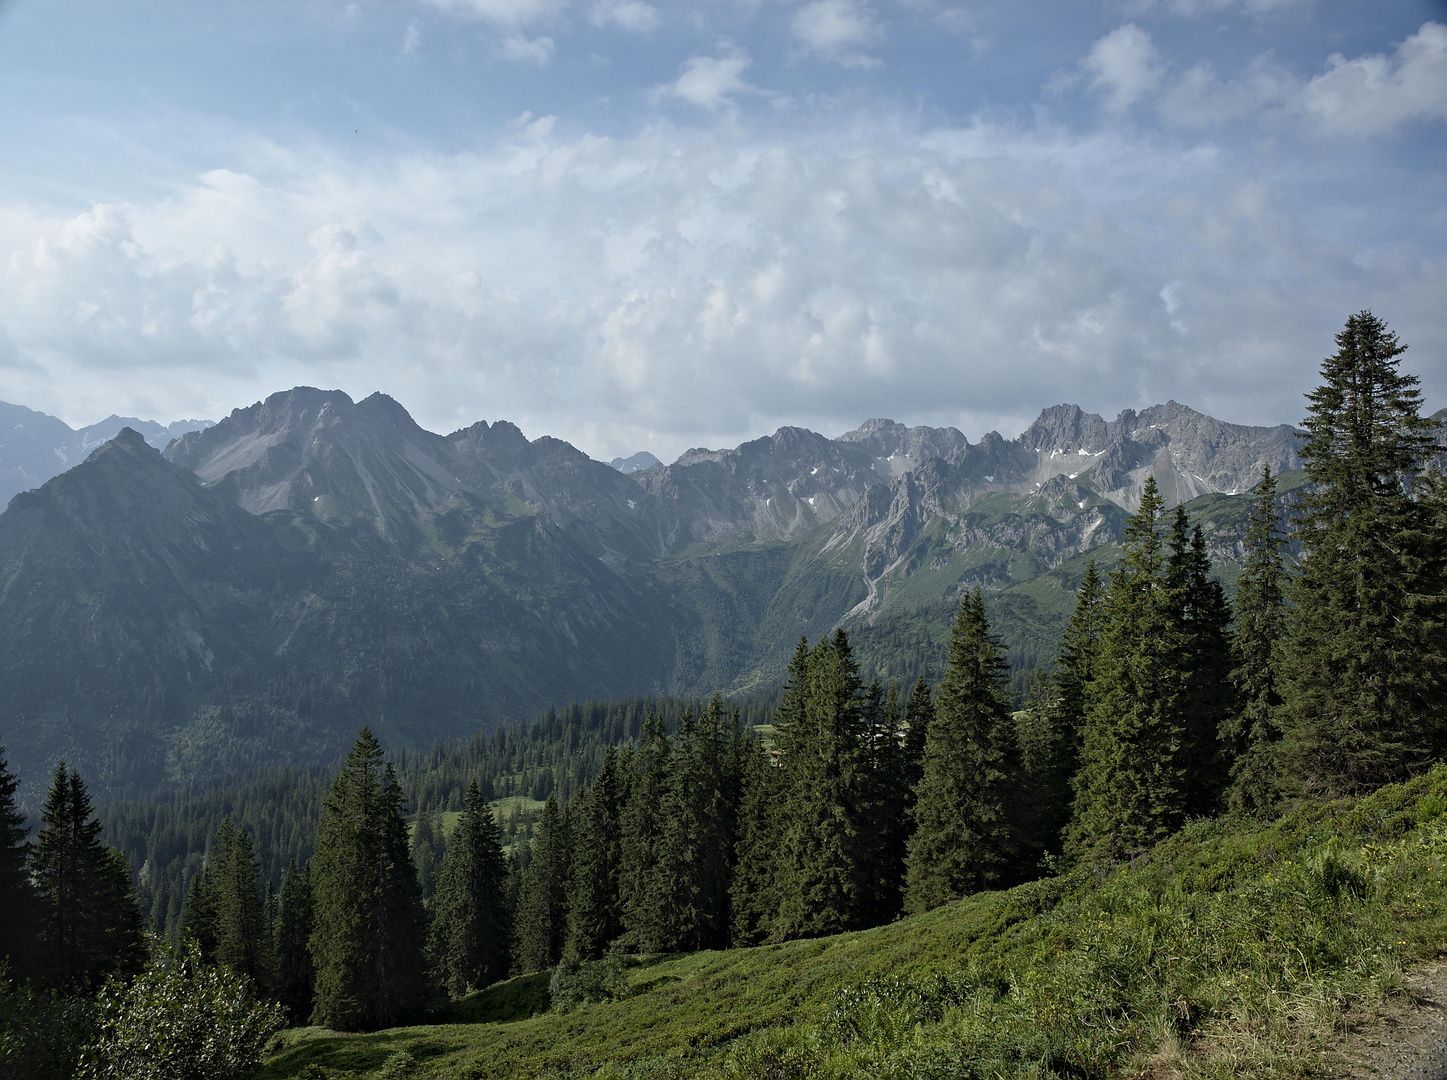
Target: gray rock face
x: 35, y: 447
x: 317, y: 452
x: 1190, y: 454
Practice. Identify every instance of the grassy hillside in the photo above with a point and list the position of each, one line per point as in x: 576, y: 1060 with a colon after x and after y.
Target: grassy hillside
x: 1223, y: 952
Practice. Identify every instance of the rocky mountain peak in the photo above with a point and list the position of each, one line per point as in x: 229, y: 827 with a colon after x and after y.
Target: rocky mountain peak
x: 1067, y: 429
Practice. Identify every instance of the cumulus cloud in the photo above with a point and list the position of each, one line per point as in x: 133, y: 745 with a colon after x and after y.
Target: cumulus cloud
x: 710, y: 82
x: 680, y: 288
x: 1379, y: 92
x: 503, y: 12
x: 1125, y: 66
x: 629, y: 15
x: 1367, y: 95
x: 836, y: 30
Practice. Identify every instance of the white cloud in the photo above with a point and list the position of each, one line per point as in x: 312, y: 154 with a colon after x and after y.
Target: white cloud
x: 629, y: 15
x: 527, y: 50
x: 1125, y: 65
x: 411, y: 39
x: 682, y: 288
x: 503, y: 12
x: 710, y: 82
x: 835, y: 30
x: 1368, y: 95
x: 1378, y: 93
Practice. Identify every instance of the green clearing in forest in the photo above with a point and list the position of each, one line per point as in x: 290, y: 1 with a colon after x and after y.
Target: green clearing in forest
x: 1225, y: 951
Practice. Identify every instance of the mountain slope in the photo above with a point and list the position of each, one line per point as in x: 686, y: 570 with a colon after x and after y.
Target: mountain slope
x: 311, y: 563
x: 34, y: 447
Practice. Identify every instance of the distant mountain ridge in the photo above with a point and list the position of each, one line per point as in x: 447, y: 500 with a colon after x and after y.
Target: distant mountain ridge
x: 35, y: 446
x: 310, y: 563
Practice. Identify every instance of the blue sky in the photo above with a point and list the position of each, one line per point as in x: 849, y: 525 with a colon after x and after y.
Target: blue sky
x: 638, y: 225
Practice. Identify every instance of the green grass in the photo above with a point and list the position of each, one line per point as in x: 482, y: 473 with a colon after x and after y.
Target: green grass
x: 1223, y: 952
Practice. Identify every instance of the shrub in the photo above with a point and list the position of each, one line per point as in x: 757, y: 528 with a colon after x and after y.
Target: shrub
x: 581, y: 982
x: 180, y: 1019
x: 41, y: 1032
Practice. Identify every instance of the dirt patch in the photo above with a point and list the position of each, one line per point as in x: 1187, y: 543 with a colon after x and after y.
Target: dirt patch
x: 1405, y: 1040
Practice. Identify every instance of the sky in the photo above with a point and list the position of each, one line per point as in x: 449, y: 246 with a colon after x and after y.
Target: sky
x: 636, y: 225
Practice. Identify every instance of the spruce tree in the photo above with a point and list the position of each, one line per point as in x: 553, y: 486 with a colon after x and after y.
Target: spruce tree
x: 1364, y: 678
x: 1052, y: 725
x: 685, y: 904
x: 19, y: 905
x: 471, y: 925
x: 540, y: 929
x: 198, y: 914
x: 890, y: 805
x: 919, y: 713
x: 428, y: 847
x: 821, y: 877
x: 1045, y: 764
x: 368, y: 931
x: 1131, y: 788
x: 964, y: 840
x: 1252, y: 732
x: 91, y: 925
x: 642, y: 837
x: 752, y: 900
x: 1203, y: 618
x: 243, y: 935
x: 295, y: 977
x: 595, y: 914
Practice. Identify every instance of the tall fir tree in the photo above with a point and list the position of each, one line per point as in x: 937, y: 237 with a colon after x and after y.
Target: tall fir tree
x: 919, y: 713
x: 428, y: 848
x: 469, y: 941
x: 91, y: 925
x: 1364, y: 677
x: 295, y: 976
x: 890, y: 805
x: 19, y: 905
x: 752, y: 901
x: 821, y: 875
x: 1053, y: 721
x: 1046, y: 764
x: 964, y: 839
x: 243, y: 934
x: 541, y: 925
x: 198, y: 914
x: 687, y: 897
x: 1203, y: 619
x: 1252, y: 732
x: 1131, y: 788
x: 595, y: 913
x: 642, y: 837
x: 368, y: 930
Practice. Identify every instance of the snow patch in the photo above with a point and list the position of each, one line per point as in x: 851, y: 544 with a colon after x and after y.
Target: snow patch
x: 632, y: 505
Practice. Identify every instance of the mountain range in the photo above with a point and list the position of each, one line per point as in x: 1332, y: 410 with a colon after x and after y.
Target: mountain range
x: 35, y: 446
x: 262, y: 587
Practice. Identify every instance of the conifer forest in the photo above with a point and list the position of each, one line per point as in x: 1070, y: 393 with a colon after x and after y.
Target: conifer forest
x: 193, y: 933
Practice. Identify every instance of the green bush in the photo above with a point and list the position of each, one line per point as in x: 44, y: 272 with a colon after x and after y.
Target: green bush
x: 586, y: 982
x: 41, y: 1032
x: 180, y: 1019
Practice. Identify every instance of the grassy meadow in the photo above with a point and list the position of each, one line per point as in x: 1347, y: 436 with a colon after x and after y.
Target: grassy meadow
x: 1226, y: 951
